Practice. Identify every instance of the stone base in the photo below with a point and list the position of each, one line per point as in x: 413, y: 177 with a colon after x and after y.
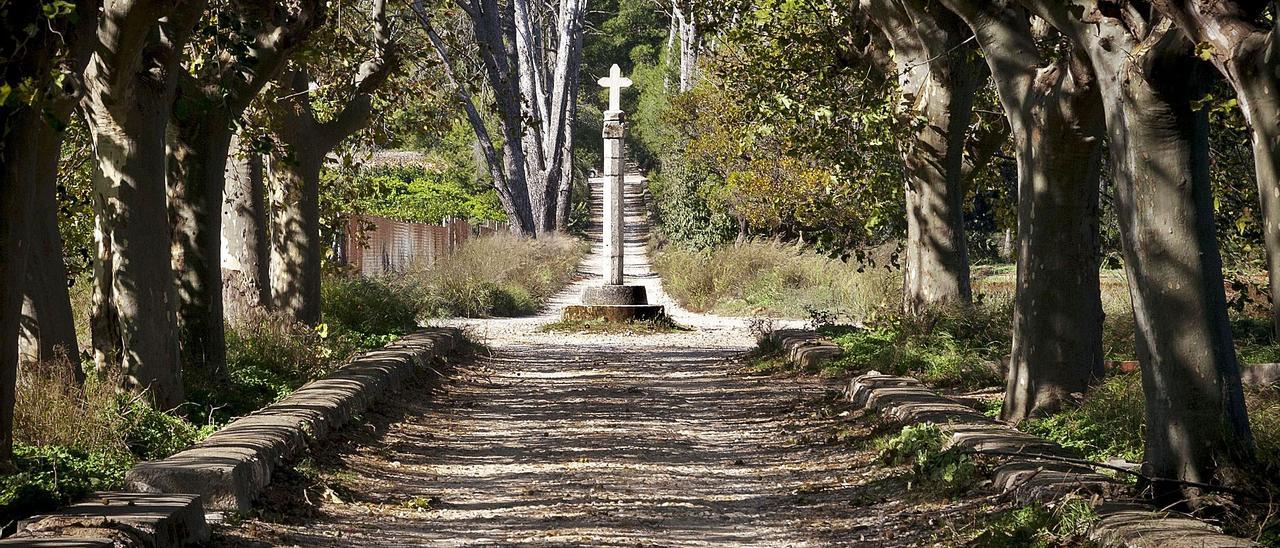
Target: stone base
x: 614, y: 313
x: 615, y: 295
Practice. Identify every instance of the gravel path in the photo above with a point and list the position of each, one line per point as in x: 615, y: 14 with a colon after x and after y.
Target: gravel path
x: 602, y: 440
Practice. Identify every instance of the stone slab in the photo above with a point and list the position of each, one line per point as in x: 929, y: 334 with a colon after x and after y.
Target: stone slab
x: 61, y: 542
x: 615, y: 295
x: 234, y: 465
x: 806, y: 349
x: 120, y: 519
x: 1141, y: 526
x: 614, y: 313
x: 1261, y: 374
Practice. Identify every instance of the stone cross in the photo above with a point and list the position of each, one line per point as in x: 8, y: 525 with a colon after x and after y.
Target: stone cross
x: 615, y: 82
x: 615, y: 130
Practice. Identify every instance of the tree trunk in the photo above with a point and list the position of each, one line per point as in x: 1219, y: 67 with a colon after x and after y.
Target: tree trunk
x: 939, y: 75
x: 134, y: 313
x: 1197, y: 427
x: 48, y: 330
x: 1057, y: 322
x: 1056, y: 120
x: 197, y: 169
x: 689, y: 45
x: 295, y: 234
x: 1255, y: 67
x: 17, y: 187
x: 246, y: 260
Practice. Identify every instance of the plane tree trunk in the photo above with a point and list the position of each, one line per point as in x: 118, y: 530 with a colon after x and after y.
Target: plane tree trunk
x: 939, y: 73
x: 1197, y: 427
x: 208, y: 104
x: 1054, y: 111
x: 246, y: 234
x: 1248, y: 55
x: 294, y: 183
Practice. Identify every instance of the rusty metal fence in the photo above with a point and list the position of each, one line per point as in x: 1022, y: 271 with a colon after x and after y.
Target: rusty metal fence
x: 377, y: 245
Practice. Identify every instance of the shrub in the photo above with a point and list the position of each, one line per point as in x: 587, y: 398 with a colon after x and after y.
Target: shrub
x: 1038, y: 525
x: 368, y: 305
x: 1110, y: 422
x: 268, y: 357
x: 50, y: 476
x: 151, y: 434
x: 958, y: 347
x: 52, y: 409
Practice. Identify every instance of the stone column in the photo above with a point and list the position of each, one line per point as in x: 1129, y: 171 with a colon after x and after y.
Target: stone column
x: 615, y: 129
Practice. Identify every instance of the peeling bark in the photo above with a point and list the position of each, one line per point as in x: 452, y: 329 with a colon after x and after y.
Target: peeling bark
x: 130, y: 85
x: 246, y: 256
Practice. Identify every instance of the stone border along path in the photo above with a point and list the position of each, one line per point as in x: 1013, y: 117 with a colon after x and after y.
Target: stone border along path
x: 905, y: 400
x: 168, y: 499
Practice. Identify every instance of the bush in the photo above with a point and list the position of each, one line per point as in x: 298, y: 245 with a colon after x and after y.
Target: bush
x: 51, y: 409
x: 499, y: 275
x: 1038, y: 525
x: 1110, y: 423
x: 959, y: 347
x: 368, y: 305
x: 151, y: 434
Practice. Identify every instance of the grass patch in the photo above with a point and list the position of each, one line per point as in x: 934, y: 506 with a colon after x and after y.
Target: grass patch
x: 954, y: 348
x: 1110, y: 423
x: 768, y: 278
x: 604, y: 327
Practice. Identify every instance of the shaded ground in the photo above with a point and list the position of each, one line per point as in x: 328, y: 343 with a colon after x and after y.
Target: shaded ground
x: 603, y: 440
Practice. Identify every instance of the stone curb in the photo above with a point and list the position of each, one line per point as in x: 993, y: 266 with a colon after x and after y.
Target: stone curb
x: 168, y: 498
x: 804, y: 348
x: 1027, y: 479
x: 230, y: 468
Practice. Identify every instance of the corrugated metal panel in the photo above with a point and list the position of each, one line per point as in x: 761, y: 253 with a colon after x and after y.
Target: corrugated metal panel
x: 377, y: 245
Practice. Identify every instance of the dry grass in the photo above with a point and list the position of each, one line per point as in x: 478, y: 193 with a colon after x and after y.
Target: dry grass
x: 53, y: 410
x: 767, y: 278
x: 499, y: 275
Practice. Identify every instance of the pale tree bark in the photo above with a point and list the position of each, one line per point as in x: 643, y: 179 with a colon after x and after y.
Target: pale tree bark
x: 294, y: 179
x: 1247, y: 53
x: 246, y: 236
x: 690, y: 43
x: 939, y: 74
x: 129, y: 90
x: 535, y: 97
x: 207, y: 107
x: 1054, y: 111
x: 1197, y: 427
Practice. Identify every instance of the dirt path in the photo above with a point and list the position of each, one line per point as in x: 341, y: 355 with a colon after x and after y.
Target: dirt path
x: 576, y: 440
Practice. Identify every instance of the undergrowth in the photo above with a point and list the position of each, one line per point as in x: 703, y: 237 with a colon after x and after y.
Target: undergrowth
x: 959, y: 348
x: 496, y: 276
x: 942, y: 470
x: 1037, y: 525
